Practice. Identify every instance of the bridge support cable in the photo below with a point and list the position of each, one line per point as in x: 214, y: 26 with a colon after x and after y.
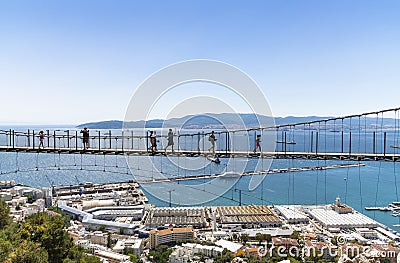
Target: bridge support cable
x: 293, y: 140
x: 380, y: 163
x: 394, y: 169
x: 396, y: 143
x: 325, y: 162
x: 317, y: 172
x: 359, y: 168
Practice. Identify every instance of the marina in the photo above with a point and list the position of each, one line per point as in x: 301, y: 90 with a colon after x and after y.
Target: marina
x: 394, y: 207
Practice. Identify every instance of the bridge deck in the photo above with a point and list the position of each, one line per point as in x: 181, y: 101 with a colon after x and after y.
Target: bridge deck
x: 221, y: 154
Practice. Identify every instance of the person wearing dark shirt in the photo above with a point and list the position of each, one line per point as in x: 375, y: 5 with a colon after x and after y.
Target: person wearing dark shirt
x: 170, y: 140
x: 85, y: 138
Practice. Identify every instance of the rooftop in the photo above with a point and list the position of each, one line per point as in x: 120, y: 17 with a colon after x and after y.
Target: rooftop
x: 332, y: 219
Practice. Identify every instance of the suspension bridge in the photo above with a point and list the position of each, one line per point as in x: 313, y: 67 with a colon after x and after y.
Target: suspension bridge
x: 353, y: 139
x: 371, y: 136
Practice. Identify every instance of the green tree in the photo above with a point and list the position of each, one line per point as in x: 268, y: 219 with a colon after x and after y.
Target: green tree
x: 133, y: 258
x: 261, y: 238
x: 4, y: 214
x: 244, y: 238
x: 65, y: 216
x: 235, y: 237
x: 8, y: 238
x: 30, y: 197
x: 160, y: 254
x: 49, y: 232
x: 5, y: 249
x: 225, y: 257
x: 295, y: 235
x: 40, y: 239
x: 77, y: 255
x: 109, y: 240
x: 29, y: 252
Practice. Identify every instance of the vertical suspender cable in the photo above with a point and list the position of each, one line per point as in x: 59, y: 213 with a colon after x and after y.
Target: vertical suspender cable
x: 394, y: 166
x: 359, y: 162
x: 380, y: 163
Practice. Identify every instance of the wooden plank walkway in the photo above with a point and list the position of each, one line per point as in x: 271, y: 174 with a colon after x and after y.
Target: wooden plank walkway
x: 220, y: 154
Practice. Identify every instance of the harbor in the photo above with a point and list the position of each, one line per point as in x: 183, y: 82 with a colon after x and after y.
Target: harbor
x: 393, y: 207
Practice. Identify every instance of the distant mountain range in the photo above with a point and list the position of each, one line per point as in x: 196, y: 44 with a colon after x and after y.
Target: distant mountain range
x: 232, y: 120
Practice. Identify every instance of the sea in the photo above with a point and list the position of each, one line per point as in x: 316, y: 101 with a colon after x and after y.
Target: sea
x: 376, y: 183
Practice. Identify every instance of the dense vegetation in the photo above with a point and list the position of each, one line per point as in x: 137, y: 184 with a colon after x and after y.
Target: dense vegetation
x: 39, y: 239
x: 160, y: 254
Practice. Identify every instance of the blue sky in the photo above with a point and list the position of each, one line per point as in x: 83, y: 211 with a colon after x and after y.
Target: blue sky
x: 76, y: 61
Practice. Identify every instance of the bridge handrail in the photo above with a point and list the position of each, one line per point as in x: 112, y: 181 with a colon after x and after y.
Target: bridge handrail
x: 203, y: 133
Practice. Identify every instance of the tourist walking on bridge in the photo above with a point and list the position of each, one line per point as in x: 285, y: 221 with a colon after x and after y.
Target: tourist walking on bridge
x: 258, y: 145
x: 212, y: 140
x: 41, y: 138
x: 153, y: 141
x: 85, y: 138
x: 170, y: 140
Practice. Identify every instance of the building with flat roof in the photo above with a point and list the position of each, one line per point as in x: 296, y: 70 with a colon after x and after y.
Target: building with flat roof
x: 112, y: 257
x: 208, y: 251
x: 158, y: 237
x: 388, y: 234
x: 113, y: 212
x: 134, y: 246
x: 248, y: 216
x: 331, y: 219
x: 291, y: 214
x: 177, y: 216
x: 229, y: 245
x: 88, y: 220
x: 275, y: 232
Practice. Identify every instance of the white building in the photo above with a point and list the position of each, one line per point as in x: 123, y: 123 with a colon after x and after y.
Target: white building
x: 89, y: 222
x: 231, y: 246
x: 112, y: 257
x: 135, y: 246
x: 330, y: 219
x: 186, y: 252
x: 208, y: 251
x: 291, y: 214
x: 180, y: 255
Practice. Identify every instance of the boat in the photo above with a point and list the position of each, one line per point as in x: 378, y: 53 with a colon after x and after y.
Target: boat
x: 371, y: 208
x: 230, y: 175
x: 395, y: 205
x: 380, y: 208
